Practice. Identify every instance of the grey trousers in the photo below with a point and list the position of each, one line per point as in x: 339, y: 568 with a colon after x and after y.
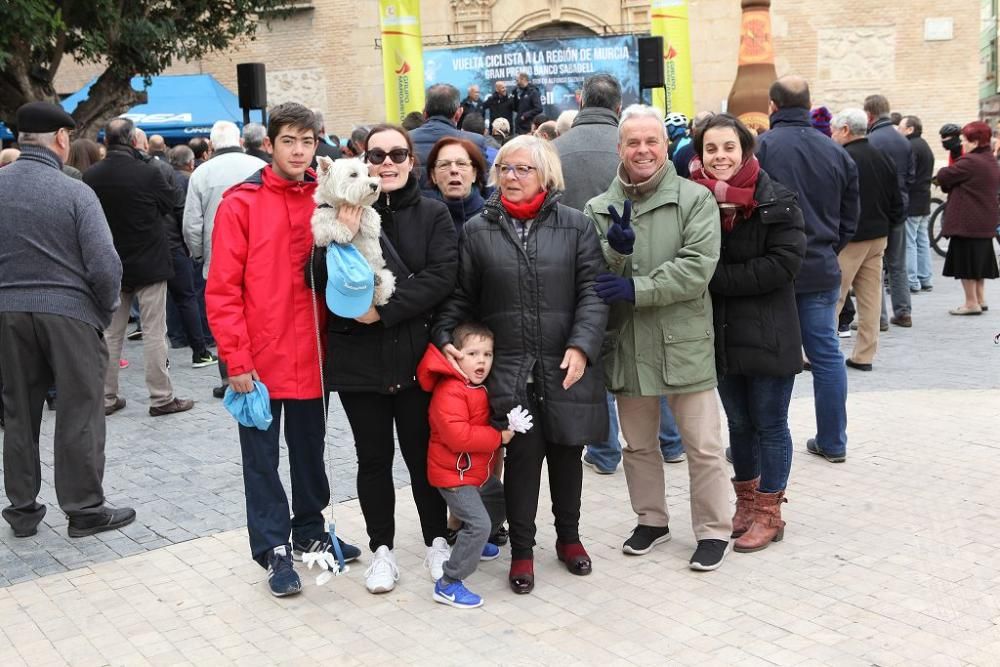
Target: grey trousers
x: 153, y: 314
x: 481, y: 511
x: 895, y: 266
x: 37, y: 349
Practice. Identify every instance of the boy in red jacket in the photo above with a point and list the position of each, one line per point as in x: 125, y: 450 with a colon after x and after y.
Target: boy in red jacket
x: 265, y: 324
x: 462, y: 454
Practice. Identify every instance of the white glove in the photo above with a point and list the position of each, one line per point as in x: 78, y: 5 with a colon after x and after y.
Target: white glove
x: 519, y: 420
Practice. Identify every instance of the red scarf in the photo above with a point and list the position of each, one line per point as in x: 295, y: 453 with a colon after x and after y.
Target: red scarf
x: 526, y: 210
x: 735, y: 196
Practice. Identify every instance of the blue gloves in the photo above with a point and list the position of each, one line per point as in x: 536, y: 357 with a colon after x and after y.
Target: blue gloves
x: 621, y: 236
x: 611, y: 288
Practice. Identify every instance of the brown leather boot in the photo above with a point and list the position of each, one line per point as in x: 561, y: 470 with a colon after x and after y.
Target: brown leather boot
x: 744, y: 505
x: 767, y: 524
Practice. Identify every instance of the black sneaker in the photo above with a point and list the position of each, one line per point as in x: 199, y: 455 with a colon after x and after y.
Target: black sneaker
x: 350, y: 551
x: 709, y: 555
x: 135, y: 334
x: 813, y: 448
x: 500, y: 537
x: 220, y: 391
x: 644, y: 538
x: 202, y: 359
x: 106, y: 519
x: 281, y: 576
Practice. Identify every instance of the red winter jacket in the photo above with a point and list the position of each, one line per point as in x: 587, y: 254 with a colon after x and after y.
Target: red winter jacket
x: 259, y: 308
x: 463, y: 445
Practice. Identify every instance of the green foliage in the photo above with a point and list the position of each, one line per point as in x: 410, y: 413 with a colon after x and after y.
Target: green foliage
x: 130, y: 36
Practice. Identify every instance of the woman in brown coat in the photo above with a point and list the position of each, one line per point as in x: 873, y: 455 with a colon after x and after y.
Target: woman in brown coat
x: 970, y: 221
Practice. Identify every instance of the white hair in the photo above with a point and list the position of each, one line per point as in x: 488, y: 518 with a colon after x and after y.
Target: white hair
x: 854, y: 119
x: 640, y: 111
x: 36, y: 138
x: 225, y: 134
x: 565, y: 121
x: 253, y: 135
x: 544, y: 158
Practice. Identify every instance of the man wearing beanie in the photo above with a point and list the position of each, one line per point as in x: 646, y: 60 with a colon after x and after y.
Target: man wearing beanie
x: 60, y: 287
x: 820, y: 119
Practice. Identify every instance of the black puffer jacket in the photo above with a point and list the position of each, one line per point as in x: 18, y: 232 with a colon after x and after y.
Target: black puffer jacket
x: 383, y: 357
x: 538, y: 298
x: 753, y: 291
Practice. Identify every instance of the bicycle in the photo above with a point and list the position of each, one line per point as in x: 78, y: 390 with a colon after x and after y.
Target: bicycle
x: 936, y: 223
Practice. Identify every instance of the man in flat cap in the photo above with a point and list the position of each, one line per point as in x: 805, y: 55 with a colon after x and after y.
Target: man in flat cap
x: 60, y: 285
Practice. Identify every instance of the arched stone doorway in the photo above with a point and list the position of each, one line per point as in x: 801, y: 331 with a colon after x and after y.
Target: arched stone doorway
x: 558, y: 30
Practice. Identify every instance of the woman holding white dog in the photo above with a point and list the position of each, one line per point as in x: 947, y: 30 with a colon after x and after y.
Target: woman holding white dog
x: 371, y: 361
x: 527, y: 268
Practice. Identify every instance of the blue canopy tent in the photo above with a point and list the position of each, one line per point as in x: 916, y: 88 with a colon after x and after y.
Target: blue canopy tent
x: 178, y: 107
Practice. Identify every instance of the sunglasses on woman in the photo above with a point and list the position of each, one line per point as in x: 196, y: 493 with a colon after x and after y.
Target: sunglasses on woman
x: 377, y: 155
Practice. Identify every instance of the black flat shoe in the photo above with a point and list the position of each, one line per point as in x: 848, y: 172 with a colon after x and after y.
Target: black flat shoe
x: 106, y: 519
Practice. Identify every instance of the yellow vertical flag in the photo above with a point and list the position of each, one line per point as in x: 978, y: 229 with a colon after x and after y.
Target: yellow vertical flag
x: 669, y: 19
x: 402, y: 58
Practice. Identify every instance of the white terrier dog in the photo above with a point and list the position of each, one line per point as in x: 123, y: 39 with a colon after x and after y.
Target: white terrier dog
x: 346, y: 181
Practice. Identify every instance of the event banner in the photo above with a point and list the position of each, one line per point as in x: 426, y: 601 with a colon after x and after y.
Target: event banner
x: 557, y: 66
x: 669, y: 19
x: 402, y: 58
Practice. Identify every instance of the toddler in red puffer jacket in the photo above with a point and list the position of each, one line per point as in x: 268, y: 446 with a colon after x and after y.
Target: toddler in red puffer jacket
x: 462, y: 455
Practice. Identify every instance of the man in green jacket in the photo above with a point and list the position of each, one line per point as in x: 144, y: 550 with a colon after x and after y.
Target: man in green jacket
x: 661, y: 252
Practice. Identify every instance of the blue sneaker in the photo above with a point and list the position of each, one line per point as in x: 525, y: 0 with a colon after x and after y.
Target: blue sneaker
x: 351, y: 552
x: 456, y: 595
x: 281, y: 576
x: 490, y: 552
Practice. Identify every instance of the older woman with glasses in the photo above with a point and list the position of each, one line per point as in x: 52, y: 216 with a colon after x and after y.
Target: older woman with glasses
x: 526, y: 270
x: 372, y: 361
x: 457, y: 169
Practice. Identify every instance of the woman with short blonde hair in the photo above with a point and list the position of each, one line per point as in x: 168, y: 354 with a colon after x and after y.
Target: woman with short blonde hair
x: 527, y: 266
x: 542, y: 156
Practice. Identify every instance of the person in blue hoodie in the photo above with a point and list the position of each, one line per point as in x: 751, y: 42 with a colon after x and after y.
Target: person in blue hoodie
x: 825, y: 179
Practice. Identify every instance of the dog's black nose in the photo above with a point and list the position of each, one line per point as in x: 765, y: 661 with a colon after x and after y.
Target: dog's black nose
x: 373, y: 186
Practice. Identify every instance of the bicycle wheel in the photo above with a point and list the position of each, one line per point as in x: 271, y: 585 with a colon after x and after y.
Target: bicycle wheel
x: 938, y: 242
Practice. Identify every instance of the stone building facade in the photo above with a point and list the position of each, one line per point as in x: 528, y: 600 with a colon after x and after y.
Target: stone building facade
x: 922, y: 54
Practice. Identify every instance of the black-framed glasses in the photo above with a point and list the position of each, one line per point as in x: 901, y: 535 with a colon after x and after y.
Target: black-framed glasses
x: 518, y: 170
x: 377, y: 155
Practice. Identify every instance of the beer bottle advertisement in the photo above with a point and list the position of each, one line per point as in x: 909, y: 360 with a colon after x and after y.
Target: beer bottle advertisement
x: 748, y: 99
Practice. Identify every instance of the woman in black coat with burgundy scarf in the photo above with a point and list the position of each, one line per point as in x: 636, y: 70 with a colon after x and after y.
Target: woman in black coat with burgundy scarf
x: 970, y: 221
x: 758, y: 343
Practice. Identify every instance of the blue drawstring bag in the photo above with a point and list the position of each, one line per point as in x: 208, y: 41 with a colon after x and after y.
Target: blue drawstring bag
x: 252, y: 410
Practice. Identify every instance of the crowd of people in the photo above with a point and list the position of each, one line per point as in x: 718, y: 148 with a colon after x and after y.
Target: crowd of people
x: 558, y: 284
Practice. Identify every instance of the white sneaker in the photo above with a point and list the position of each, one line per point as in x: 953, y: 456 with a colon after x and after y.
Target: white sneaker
x: 437, y: 553
x: 382, y: 575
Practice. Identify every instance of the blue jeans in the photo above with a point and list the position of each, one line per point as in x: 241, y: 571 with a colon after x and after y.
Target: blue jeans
x: 607, y: 455
x: 918, y: 252
x: 757, y: 412
x: 818, y: 324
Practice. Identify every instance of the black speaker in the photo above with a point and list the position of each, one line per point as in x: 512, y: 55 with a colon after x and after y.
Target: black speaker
x: 252, y: 85
x: 651, y: 62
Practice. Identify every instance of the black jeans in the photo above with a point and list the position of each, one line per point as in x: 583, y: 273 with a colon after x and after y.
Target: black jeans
x: 182, y: 290
x: 372, y: 417
x: 268, y: 519
x: 522, y: 479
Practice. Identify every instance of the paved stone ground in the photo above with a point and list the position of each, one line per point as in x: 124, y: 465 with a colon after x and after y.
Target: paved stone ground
x: 888, y: 559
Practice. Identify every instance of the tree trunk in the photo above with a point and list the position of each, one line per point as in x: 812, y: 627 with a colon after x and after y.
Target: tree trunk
x: 110, y: 96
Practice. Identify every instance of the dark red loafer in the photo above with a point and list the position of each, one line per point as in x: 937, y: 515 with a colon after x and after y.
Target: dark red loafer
x: 522, y: 576
x: 575, y: 556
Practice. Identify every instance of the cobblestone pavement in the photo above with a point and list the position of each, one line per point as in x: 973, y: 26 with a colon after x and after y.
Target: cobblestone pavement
x: 888, y: 559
